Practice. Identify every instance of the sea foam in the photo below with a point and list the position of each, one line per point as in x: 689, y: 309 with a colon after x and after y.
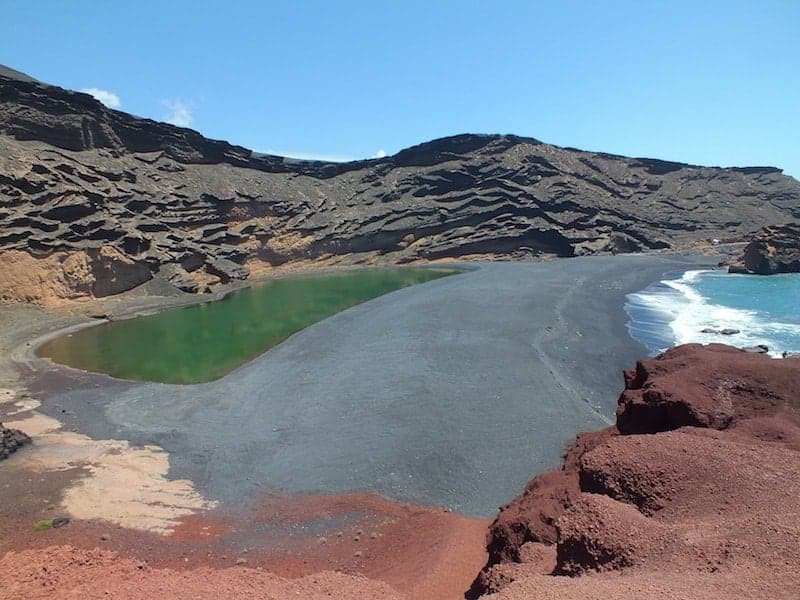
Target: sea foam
x: 675, y: 311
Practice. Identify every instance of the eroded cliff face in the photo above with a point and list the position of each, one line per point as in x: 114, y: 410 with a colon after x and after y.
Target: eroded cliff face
x: 68, y: 275
x: 692, y: 494
x: 772, y: 250
x: 76, y: 177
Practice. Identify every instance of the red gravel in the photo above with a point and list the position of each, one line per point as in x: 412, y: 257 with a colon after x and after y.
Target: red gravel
x: 353, y: 546
x: 66, y: 572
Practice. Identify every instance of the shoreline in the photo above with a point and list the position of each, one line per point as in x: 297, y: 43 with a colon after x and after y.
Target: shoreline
x: 19, y: 351
x: 546, y: 345
x: 711, y: 305
x: 101, y: 407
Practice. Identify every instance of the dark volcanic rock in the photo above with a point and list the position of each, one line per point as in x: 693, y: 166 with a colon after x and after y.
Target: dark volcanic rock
x: 11, y: 440
x: 773, y: 250
x: 701, y: 433
x: 726, y: 331
x: 75, y: 175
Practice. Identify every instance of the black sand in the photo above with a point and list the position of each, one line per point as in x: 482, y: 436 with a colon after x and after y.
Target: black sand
x: 450, y: 393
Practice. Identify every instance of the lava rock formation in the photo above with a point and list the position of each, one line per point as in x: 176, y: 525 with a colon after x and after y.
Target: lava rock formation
x: 773, y: 250
x: 77, y: 177
x: 698, y: 478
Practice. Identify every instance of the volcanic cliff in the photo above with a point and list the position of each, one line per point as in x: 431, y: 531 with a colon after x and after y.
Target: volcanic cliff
x: 772, y: 250
x: 95, y: 201
x: 692, y: 494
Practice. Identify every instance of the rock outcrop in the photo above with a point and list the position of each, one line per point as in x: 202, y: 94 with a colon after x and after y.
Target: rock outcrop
x: 699, y: 476
x: 11, y: 440
x: 772, y: 250
x: 76, y: 176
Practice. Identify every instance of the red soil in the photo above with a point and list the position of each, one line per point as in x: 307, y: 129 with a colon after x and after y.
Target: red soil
x: 345, y: 546
x: 66, y: 572
x: 694, y: 494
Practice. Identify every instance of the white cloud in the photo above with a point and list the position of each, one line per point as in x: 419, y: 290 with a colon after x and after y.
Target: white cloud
x: 179, y: 114
x: 110, y: 99
x: 380, y: 154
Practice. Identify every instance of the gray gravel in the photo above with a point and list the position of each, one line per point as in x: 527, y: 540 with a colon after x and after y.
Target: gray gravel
x: 454, y: 393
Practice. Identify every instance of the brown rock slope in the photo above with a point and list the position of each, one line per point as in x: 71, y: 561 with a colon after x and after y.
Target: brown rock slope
x: 694, y: 493
x: 76, y: 177
x: 772, y: 250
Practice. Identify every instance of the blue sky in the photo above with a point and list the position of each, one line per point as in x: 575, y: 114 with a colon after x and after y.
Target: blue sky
x: 714, y: 83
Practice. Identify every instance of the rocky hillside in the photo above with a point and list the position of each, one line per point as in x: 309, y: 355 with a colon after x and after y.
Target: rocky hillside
x: 692, y: 494
x: 94, y: 201
x: 772, y: 250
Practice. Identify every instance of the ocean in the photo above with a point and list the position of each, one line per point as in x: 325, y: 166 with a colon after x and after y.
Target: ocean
x: 764, y: 309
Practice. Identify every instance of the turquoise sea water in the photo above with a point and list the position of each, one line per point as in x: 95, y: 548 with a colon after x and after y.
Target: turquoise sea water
x: 765, y: 310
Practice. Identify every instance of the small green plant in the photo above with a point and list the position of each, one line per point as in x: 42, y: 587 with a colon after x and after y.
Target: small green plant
x: 43, y: 524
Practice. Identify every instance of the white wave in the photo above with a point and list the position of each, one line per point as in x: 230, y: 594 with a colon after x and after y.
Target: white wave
x: 682, y: 312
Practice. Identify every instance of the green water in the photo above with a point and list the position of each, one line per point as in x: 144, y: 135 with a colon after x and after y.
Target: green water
x: 204, y: 342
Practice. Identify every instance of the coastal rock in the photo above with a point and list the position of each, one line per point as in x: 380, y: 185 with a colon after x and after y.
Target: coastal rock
x: 773, y: 250
x: 76, y: 177
x: 226, y: 270
x: 701, y: 433
x: 11, y: 440
x: 757, y: 349
x: 58, y: 276
x: 114, y: 272
x: 703, y: 386
x: 726, y: 331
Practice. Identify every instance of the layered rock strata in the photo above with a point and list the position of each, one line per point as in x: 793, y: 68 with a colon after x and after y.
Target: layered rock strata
x: 79, y: 181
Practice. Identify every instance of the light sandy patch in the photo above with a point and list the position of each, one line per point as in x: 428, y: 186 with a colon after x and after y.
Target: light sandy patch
x: 292, y: 244
x: 21, y: 405
x: 7, y: 395
x: 123, y: 484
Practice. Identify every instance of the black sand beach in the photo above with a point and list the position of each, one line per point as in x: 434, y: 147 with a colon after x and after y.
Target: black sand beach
x: 450, y: 393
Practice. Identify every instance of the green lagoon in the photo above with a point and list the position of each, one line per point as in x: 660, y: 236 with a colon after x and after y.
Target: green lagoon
x: 203, y: 342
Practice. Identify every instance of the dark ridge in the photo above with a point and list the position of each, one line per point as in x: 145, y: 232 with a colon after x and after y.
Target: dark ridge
x: 164, y: 196
x: 756, y: 170
x: 453, y: 147
x: 662, y: 167
x: 10, y: 73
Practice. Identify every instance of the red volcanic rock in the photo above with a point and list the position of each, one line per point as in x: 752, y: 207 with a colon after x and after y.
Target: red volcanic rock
x: 600, y: 534
x: 713, y: 386
x: 701, y: 475
x: 532, y: 517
